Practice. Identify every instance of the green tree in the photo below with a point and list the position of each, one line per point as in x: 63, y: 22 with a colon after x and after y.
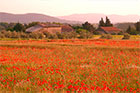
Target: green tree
x: 75, y: 27
x: 131, y: 31
x: 89, y: 27
x: 19, y: 27
x: 10, y: 26
x: 84, y: 34
x: 101, y: 23
x: 32, y: 24
x: 108, y: 22
x: 3, y: 26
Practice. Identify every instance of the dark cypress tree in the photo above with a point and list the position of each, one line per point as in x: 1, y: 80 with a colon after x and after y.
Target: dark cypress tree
x: 137, y: 25
x: 101, y: 23
x: 108, y: 23
x: 128, y: 30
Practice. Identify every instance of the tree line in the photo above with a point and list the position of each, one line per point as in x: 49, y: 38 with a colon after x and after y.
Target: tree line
x: 107, y: 23
x: 134, y: 31
x: 86, y: 28
x: 18, y: 27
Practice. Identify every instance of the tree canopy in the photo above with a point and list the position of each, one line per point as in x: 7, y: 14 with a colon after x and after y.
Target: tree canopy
x: 88, y: 26
x: 101, y: 23
x: 107, y: 23
x: 19, y: 27
x: 137, y: 25
x: 131, y: 31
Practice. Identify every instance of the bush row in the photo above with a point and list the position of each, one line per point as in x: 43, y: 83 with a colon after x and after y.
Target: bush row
x: 35, y: 35
x: 68, y: 35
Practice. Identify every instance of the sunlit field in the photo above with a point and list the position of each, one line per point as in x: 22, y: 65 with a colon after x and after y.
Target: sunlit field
x: 119, y: 37
x: 70, y: 66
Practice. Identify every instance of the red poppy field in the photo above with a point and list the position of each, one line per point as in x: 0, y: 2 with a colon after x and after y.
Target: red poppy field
x: 70, y: 66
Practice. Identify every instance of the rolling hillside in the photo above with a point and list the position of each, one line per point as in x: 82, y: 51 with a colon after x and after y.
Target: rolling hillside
x: 30, y: 17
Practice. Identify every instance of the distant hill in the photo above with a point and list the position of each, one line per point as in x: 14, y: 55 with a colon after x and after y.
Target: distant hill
x: 31, y: 17
x: 94, y: 18
x: 124, y: 26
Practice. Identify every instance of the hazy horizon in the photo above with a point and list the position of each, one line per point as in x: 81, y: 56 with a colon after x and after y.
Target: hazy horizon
x: 69, y: 7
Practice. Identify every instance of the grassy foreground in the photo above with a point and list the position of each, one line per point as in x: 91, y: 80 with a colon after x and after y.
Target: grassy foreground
x: 70, y: 66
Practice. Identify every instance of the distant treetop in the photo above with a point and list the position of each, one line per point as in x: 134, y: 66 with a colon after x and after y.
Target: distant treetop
x: 107, y: 23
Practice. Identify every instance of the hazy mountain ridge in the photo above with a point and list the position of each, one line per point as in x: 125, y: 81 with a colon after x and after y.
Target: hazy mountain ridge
x: 71, y: 19
x: 94, y: 18
x: 30, y: 17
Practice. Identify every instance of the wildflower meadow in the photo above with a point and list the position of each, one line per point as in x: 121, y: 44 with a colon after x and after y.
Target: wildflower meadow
x: 70, y: 66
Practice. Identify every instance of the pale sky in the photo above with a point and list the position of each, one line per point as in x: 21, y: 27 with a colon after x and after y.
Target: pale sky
x: 68, y: 7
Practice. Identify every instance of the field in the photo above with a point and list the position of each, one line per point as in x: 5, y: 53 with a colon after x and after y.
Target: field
x: 119, y: 37
x: 72, y: 66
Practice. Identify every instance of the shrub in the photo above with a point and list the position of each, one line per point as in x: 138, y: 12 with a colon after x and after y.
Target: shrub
x: 41, y: 35
x: 126, y: 36
x: 89, y: 35
x: 8, y: 34
x: 53, y: 36
x: 24, y: 35
x: 15, y: 34
x: 61, y: 35
x: 36, y: 35
x: 47, y: 34
x: 2, y: 35
x: 3, y: 32
x: 106, y: 36
x: 96, y: 33
x: 33, y: 35
x: 121, y: 33
x: 71, y: 35
x: 84, y: 34
x: 113, y: 33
